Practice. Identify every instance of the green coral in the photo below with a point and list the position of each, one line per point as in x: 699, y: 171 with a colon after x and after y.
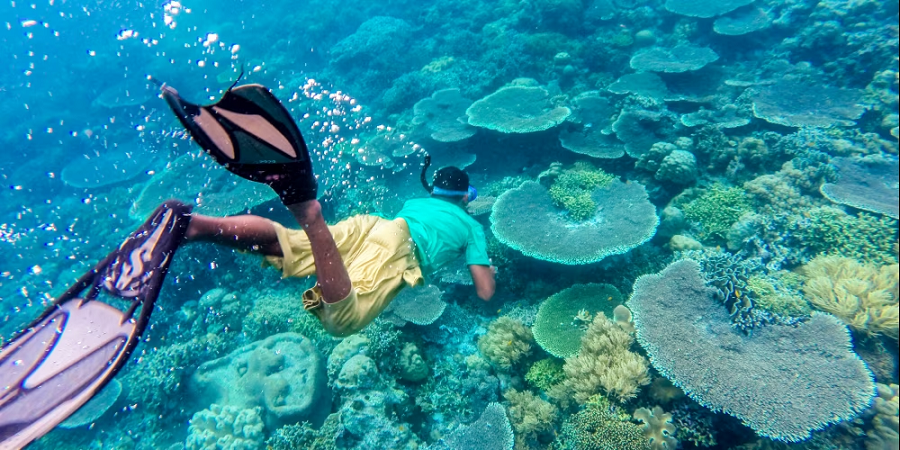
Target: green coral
x: 506, y: 343
x: 572, y: 189
x: 545, y: 373
x: 770, y: 295
x: 717, y: 209
x: 865, y: 237
x: 562, y: 318
x: 599, y: 426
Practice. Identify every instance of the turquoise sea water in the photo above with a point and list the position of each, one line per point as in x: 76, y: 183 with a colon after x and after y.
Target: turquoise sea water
x: 610, y: 140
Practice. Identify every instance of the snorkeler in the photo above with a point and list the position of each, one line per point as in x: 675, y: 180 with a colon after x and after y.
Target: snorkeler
x: 362, y: 262
x: 80, y: 342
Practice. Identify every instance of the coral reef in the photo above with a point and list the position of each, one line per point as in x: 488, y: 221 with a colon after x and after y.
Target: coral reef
x: 658, y: 428
x: 526, y: 219
x: 225, y: 428
x: 506, y: 343
x: 864, y: 296
x: 604, y: 364
x: 869, y: 184
x: 563, y: 318
x: 716, y: 210
x: 421, y: 305
x: 545, y: 373
x: 572, y: 189
x: 828, y: 382
x: 517, y: 109
x: 884, y: 433
x: 794, y: 104
x: 600, y: 427
x: 492, y: 431
x: 530, y: 415
x: 681, y: 58
x: 281, y: 374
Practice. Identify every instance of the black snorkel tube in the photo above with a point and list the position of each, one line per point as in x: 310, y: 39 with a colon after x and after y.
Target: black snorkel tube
x: 425, y: 165
x: 470, y: 191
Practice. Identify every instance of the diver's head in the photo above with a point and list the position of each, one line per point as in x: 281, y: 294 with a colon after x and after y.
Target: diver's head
x: 451, y: 183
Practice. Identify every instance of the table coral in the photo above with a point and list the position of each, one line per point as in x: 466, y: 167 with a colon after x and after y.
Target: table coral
x: 793, y: 104
x: 196, y: 178
x: 742, y: 22
x: 443, y: 115
x: 869, y: 184
x: 704, y: 8
x: 681, y: 58
x: 517, y: 109
x: 492, y: 431
x: 562, y: 319
x: 527, y: 220
x: 592, y: 136
x: 690, y: 339
x: 864, y: 296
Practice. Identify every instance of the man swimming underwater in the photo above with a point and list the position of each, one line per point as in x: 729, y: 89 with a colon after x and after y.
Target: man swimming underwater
x: 75, y: 347
x: 362, y: 262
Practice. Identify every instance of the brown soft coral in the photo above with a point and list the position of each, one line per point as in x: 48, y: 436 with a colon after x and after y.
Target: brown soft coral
x: 658, y: 428
x: 507, y: 342
x: 884, y: 433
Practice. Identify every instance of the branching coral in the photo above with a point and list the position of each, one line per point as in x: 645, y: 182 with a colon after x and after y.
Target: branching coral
x: 506, y: 343
x: 545, y: 373
x: 599, y: 427
x: 605, y: 363
x: 864, y: 237
x: 862, y: 295
x: 716, y: 210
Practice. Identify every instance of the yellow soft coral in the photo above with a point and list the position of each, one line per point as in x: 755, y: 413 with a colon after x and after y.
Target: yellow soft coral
x: 862, y: 295
x: 605, y: 362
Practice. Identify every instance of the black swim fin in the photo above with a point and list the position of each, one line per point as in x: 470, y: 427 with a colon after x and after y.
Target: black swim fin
x: 77, y: 345
x: 252, y: 134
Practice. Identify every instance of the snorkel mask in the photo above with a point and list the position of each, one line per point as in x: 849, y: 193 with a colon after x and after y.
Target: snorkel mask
x: 437, y: 190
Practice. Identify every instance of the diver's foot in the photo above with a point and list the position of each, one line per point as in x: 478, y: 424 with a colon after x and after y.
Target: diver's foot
x: 296, y: 184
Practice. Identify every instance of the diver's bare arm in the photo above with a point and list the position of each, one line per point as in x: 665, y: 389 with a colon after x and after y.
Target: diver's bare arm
x: 483, y: 277
x: 330, y: 271
x: 251, y: 233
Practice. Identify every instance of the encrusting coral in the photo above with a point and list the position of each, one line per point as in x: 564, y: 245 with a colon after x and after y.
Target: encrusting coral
x: 605, y: 363
x: 506, y: 343
x: 862, y: 295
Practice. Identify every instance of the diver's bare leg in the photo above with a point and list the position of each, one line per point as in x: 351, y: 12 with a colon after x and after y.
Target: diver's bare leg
x: 252, y: 233
x: 330, y: 271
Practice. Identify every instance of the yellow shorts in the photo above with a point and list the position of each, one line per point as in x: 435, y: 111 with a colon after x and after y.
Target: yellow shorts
x: 380, y: 258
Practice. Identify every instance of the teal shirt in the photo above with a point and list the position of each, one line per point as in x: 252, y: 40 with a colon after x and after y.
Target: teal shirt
x: 443, y: 232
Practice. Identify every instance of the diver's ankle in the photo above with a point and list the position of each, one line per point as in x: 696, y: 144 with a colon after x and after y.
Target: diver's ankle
x: 306, y: 212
